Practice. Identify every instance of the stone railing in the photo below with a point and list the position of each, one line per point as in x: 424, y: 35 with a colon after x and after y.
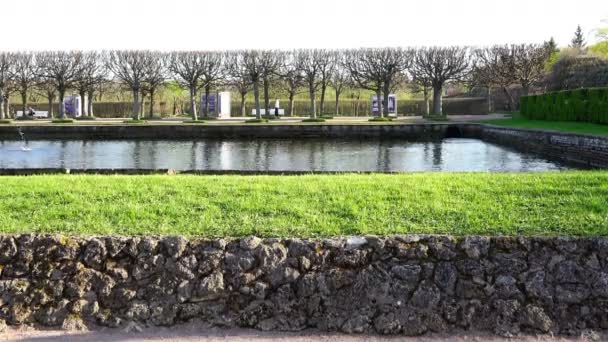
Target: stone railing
x: 405, y: 285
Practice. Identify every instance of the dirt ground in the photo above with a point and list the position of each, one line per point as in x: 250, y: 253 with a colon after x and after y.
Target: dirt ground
x: 196, y: 332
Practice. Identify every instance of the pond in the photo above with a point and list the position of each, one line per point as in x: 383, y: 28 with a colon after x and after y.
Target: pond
x: 450, y: 154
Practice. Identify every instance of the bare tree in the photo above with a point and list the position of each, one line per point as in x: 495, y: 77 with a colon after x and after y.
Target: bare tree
x: 187, y: 68
x: 493, y: 67
x: 311, y: 65
x: 60, y: 68
x: 393, y: 63
x: 361, y: 65
x: 504, y: 66
x: 238, y: 76
x: 251, y: 60
x: 421, y: 84
x: 212, y: 74
x: 528, y: 64
x: 327, y: 64
x: 7, y: 62
x: 155, y: 75
x: 292, y: 77
x: 270, y: 61
x: 378, y: 70
x: 130, y: 68
x: 339, y: 78
x: 485, y: 71
x: 25, y: 74
x: 440, y: 65
x: 91, y: 73
x: 48, y: 91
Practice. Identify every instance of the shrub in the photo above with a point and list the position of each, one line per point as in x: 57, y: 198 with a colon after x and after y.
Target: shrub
x: 25, y: 118
x: 256, y: 121
x: 380, y: 119
x: 5, y: 121
x: 314, y: 120
x: 60, y: 121
x: 585, y: 105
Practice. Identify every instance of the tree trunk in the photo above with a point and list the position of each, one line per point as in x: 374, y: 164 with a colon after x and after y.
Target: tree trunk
x: 437, y: 108
x: 490, y: 109
x: 193, y: 103
x: 510, y: 101
x: 313, y: 103
x: 1, y: 104
x: 83, y: 107
x: 142, y: 108
x: 243, y: 95
x: 525, y: 89
x: 322, y: 105
x: 90, y: 103
x: 206, y: 107
x: 266, y: 96
x: 24, y: 102
x: 61, y: 104
x: 256, y: 95
x: 151, y: 113
x: 337, y: 103
x: 427, y: 107
x: 379, y: 102
x: 135, y: 104
x: 50, y: 109
x: 7, y: 106
x: 291, y: 97
x: 385, y: 99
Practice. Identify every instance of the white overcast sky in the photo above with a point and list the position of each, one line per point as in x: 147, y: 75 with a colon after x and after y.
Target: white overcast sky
x: 286, y: 24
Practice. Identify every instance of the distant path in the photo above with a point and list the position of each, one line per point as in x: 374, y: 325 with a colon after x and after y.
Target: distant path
x: 284, y: 120
x: 194, y: 332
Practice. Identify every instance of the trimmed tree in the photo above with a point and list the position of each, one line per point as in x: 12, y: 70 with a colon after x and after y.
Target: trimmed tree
x: 60, y: 68
x: 440, y: 65
x: 7, y: 62
x: 130, y: 68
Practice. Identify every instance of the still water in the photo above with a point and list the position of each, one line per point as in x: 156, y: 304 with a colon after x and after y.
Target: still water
x: 453, y: 154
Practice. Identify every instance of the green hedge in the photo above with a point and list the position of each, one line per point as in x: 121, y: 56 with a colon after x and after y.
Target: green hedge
x: 587, y: 105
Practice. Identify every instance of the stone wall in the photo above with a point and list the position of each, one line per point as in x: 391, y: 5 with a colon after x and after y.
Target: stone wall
x: 222, y: 131
x: 405, y: 285
x: 573, y: 148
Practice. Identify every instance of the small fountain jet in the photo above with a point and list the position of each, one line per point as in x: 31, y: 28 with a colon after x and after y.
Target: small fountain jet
x: 24, y: 146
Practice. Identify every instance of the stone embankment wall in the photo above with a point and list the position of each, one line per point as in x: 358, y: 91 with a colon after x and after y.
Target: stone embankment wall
x: 580, y: 149
x: 405, y: 285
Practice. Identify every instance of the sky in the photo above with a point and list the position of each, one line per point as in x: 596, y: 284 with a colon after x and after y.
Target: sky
x: 287, y: 24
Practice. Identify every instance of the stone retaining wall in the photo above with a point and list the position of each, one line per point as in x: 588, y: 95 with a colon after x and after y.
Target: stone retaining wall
x: 405, y: 285
x: 579, y: 149
x: 180, y: 131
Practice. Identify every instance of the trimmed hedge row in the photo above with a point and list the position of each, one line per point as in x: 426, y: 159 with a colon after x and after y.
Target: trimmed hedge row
x: 587, y: 105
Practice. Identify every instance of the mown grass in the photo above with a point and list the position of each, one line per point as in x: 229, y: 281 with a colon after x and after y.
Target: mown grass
x: 564, y: 126
x: 560, y: 203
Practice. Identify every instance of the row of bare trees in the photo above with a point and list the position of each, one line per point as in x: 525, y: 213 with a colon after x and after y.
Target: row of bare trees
x: 380, y: 70
x: 55, y: 72
x: 504, y: 66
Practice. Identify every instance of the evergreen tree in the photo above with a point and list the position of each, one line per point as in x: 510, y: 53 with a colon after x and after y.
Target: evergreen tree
x: 551, y: 46
x: 578, y: 41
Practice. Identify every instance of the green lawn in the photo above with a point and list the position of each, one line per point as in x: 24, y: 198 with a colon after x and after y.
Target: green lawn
x: 566, y: 203
x: 564, y: 126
